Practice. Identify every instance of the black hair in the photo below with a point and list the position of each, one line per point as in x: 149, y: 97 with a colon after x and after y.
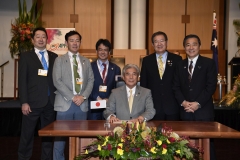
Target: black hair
x: 105, y: 42
x: 72, y: 33
x: 39, y: 29
x: 191, y: 36
x: 159, y: 33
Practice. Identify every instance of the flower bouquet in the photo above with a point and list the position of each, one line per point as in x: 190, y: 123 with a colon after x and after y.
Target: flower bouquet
x: 232, y: 98
x: 22, y: 28
x: 138, y: 141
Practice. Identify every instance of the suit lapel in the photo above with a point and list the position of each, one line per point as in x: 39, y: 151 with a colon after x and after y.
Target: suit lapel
x: 136, y: 99
x: 124, y: 98
x: 153, y: 63
x: 197, y: 69
x: 36, y: 59
x: 67, y: 63
x: 185, y: 69
x: 51, y: 59
x: 84, y: 68
x: 168, y: 64
x: 110, y: 72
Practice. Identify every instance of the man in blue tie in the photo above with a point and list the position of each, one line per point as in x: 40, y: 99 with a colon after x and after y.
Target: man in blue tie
x: 104, y: 74
x: 36, y: 92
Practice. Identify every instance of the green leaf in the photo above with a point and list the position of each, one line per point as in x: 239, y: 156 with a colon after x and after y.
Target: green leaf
x: 32, y: 11
x: 24, y: 14
x: 19, y: 9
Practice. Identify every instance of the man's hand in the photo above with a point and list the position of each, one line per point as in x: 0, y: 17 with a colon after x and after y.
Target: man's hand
x: 191, y: 107
x: 140, y: 119
x: 78, y: 100
x: 113, y: 119
x: 26, y: 109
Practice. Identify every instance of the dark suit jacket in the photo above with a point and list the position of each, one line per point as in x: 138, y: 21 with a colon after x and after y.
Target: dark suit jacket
x: 162, y: 93
x: 113, y: 70
x: 201, y: 88
x: 33, y: 89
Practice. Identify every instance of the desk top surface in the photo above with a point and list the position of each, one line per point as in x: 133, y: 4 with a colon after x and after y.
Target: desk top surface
x: 93, y: 128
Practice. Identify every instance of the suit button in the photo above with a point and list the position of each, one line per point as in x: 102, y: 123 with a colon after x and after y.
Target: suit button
x: 130, y: 117
x: 190, y: 89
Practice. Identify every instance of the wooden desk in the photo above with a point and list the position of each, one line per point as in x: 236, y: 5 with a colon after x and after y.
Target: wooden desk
x: 91, y: 128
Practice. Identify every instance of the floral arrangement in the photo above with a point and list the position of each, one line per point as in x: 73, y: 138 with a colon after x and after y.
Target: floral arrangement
x: 236, y: 24
x: 138, y: 141
x: 22, y: 28
x: 232, y: 98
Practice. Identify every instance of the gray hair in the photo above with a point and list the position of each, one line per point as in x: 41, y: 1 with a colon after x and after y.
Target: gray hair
x: 130, y: 66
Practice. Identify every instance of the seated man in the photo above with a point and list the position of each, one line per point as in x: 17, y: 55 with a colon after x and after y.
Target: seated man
x: 130, y: 102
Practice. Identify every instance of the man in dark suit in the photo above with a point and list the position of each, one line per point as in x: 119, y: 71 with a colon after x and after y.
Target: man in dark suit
x: 130, y: 101
x: 157, y: 75
x: 195, y: 82
x: 36, y: 92
x: 194, y: 85
x: 104, y: 75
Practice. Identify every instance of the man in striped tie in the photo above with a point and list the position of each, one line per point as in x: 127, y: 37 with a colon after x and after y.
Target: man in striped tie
x: 157, y: 75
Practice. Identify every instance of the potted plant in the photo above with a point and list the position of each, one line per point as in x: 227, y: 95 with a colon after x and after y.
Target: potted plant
x: 22, y: 28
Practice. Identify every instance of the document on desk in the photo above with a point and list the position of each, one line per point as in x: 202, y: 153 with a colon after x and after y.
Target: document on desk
x: 121, y: 121
x: 98, y: 104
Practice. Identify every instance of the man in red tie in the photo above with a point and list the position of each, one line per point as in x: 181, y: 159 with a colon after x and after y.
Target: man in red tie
x: 104, y: 74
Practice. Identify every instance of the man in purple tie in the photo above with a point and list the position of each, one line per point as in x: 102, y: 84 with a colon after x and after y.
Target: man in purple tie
x: 104, y: 73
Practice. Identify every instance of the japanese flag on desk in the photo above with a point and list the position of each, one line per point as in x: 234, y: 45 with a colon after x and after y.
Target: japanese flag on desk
x: 98, y: 104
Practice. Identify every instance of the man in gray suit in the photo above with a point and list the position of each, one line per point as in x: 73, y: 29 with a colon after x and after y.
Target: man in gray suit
x: 73, y: 78
x: 130, y: 101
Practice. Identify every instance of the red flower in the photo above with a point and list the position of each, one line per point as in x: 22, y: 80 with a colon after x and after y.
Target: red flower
x: 109, y: 147
x: 171, y: 139
x: 164, y: 146
x: 22, y: 38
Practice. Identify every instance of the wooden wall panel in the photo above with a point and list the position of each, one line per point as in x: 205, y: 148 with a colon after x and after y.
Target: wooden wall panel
x: 93, y: 21
x: 56, y: 13
x: 201, y: 19
x: 167, y: 18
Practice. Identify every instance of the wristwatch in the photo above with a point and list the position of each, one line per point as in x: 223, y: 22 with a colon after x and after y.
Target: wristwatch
x: 199, y: 105
x: 145, y: 119
x: 84, y: 97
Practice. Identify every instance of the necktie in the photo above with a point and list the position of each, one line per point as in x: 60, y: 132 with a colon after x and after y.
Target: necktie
x: 160, y: 66
x: 190, y: 71
x: 130, y: 100
x: 104, y: 72
x: 76, y: 75
x: 44, y: 62
x: 45, y: 66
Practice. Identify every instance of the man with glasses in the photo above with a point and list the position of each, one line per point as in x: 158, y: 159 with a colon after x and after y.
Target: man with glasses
x: 157, y: 75
x: 104, y: 73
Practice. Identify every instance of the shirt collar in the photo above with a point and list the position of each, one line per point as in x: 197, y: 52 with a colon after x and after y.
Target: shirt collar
x: 100, y: 62
x: 194, y: 60
x: 133, y: 89
x: 70, y: 54
x: 164, y: 55
x: 37, y: 50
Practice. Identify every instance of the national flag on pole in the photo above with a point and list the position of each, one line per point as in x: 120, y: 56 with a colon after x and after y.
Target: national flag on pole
x: 214, y: 43
x: 98, y: 104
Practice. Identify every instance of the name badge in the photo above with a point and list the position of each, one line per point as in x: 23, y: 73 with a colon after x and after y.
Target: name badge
x: 79, y: 80
x: 42, y: 72
x: 102, y: 88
